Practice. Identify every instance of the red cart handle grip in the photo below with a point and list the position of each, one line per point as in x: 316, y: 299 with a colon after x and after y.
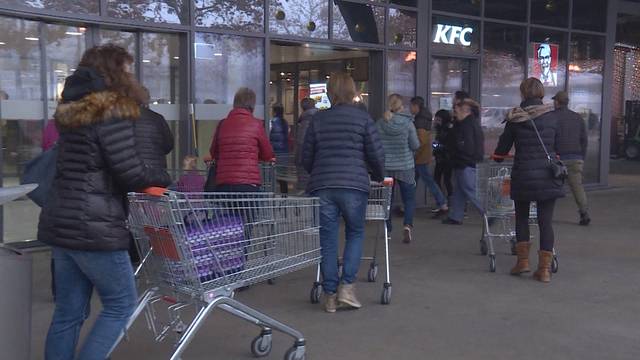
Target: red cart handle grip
x: 155, y: 191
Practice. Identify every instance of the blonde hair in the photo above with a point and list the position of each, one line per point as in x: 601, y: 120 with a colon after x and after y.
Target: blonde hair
x: 190, y: 162
x: 341, y: 89
x: 531, y: 88
x: 395, y: 105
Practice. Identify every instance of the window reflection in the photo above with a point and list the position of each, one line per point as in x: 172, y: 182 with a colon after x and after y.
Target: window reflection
x: 245, y: 15
x: 167, y: 11
x: 307, y: 18
x: 514, y: 10
x: 502, y: 73
x: 358, y: 22
x: 65, y: 46
x: 21, y: 118
x: 217, y: 56
x: 468, y: 7
x: 590, y: 15
x: 550, y: 12
x: 585, y: 93
x: 121, y: 38
x: 402, y: 27
x: 401, y: 74
x: 72, y: 6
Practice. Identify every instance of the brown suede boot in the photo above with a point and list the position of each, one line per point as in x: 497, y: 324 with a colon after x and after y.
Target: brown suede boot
x: 544, y: 266
x: 522, y: 252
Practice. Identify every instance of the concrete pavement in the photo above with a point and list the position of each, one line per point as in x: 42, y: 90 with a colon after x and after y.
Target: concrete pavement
x: 446, y: 304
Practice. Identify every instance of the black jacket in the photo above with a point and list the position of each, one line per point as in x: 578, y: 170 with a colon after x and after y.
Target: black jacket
x: 97, y: 165
x: 469, y: 142
x: 340, y: 147
x: 423, y: 119
x: 572, y: 134
x: 154, y: 140
x: 531, y: 178
x: 445, y: 144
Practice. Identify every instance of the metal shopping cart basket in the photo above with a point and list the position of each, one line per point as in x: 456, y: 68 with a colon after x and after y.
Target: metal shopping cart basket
x: 204, y: 246
x: 493, y: 187
x: 378, y: 209
x: 267, y: 174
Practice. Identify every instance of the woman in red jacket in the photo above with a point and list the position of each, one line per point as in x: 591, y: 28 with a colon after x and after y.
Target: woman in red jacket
x: 239, y: 144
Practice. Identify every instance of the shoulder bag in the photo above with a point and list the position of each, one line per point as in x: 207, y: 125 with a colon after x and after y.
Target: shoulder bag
x: 41, y: 170
x: 556, y: 166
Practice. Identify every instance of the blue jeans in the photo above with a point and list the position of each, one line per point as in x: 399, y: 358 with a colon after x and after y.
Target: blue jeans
x: 77, y: 273
x: 423, y: 173
x: 465, y: 190
x: 352, y: 206
x: 408, y: 194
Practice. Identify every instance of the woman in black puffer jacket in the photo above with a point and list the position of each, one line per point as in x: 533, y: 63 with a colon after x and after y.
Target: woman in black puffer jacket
x: 531, y: 177
x: 154, y: 139
x: 84, y: 216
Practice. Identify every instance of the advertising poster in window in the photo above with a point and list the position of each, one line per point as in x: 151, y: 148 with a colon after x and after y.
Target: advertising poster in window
x: 545, y: 63
x: 318, y: 92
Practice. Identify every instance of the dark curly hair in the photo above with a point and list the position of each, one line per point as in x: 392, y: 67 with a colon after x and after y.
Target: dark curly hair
x: 109, y: 61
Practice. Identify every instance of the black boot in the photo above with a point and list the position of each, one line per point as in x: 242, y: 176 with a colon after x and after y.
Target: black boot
x: 585, y: 220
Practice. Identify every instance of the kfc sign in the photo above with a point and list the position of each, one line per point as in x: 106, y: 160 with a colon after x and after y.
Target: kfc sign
x: 452, y: 35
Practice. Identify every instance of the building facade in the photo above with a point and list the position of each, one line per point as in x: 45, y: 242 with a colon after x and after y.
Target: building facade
x: 192, y: 55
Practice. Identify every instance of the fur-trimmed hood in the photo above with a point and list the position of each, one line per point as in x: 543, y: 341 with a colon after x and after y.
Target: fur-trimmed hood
x: 94, y: 108
x: 531, y: 112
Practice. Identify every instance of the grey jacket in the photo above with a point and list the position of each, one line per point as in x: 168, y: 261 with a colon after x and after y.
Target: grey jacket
x: 301, y: 131
x: 399, y: 140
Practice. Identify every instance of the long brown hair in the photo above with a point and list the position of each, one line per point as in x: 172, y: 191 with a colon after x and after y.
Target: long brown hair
x: 109, y: 61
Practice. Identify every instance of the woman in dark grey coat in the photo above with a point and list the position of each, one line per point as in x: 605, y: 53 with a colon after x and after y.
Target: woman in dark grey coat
x: 531, y: 177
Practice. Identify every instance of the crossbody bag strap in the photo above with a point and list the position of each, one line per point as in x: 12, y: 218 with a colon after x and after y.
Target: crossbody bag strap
x: 540, y: 139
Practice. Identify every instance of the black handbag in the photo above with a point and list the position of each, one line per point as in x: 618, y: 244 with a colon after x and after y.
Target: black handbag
x: 41, y: 170
x: 558, y: 169
x: 210, y: 183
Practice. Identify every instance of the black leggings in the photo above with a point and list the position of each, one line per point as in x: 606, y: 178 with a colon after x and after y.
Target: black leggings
x: 442, y: 174
x: 545, y: 222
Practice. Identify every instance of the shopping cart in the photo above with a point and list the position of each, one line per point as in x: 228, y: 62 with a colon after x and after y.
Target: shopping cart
x: 493, y: 189
x: 204, y: 246
x: 378, y: 209
x: 286, y: 171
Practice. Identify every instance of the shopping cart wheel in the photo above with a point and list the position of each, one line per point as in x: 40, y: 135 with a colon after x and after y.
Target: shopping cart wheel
x: 492, y: 263
x: 295, y: 353
x: 261, y: 345
x: 373, y: 272
x: 484, y: 250
x: 554, y: 265
x: 314, y: 296
x: 385, y: 299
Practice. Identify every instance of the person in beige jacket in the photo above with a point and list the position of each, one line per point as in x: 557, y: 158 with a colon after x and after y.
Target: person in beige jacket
x: 424, y: 154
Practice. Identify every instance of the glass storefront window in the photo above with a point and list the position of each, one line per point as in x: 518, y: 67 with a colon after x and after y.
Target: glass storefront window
x: 585, y: 93
x: 166, y: 11
x: 449, y: 75
x: 514, y: 10
x: 403, y: 26
x: 547, y: 51
x: 21, y: 119
x: 590, y: 15
x: 468, y: 7
x: 245, y: 15
x: 70, y: 6
x: 308, y: 18
x: 65, y: 46
x: 550, y: 12
x: 358, y: 22
x: 401, y: 74
x: 216, y: 57
x: 455, y: 36
x: 502, y: 72
x: 160, y: 68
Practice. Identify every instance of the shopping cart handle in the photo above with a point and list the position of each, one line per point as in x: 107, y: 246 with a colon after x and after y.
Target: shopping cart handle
x: 388, y: 181
x: 155, y: 191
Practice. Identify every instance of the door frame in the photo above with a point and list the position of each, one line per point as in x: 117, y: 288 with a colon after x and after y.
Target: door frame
x: 474, y: 76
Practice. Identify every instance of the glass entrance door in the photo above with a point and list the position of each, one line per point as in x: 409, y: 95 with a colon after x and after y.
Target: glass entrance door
x: 449, y: 75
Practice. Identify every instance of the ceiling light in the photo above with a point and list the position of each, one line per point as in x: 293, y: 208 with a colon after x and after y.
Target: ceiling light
x: 146, y: 61
x: 282, y: 74
x: 74, y: 33
x: 58, y: 71
x: 31, y: 38
x: 3, y: 43
x: 176, y: 57
x: 72, y: 69
x: 217, y: 54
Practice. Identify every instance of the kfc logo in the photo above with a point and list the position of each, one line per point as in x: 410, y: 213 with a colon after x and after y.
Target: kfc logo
x: 448, y: 34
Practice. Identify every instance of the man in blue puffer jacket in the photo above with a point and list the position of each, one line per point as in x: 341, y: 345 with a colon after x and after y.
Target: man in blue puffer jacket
x: 340, y: 148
